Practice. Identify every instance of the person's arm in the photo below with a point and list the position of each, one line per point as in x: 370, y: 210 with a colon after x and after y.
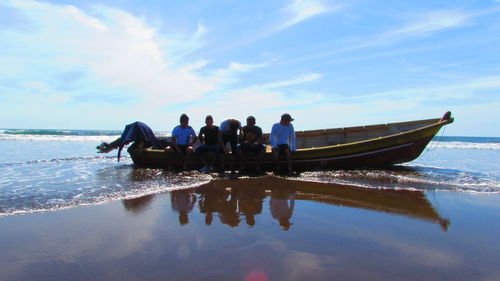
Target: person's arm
x: 201, y: 136
x: 294, y: 143
x: 272, y: 136
x: 240, y: 135
x: 174, y: 139
x: 219, y: 139
x: 193, y: 138
x: 174, y: 144
x: 221, y: 142
x: 258, y: 137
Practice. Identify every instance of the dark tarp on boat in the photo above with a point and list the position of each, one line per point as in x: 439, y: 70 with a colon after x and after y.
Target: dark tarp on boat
x: 139, y: 133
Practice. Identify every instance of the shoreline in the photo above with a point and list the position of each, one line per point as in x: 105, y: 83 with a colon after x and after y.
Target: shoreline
x: 225, y: 232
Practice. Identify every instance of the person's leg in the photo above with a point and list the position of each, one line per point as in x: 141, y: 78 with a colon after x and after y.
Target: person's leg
x: 189, y: 151
x: 240, y: 157
x: 276, y: 156
x: 222, y: 155
x: 288, y: 156
x: 234, y: 143
x: 214, y: 154
x: 260, y: 157
x: 202, y: 151
x: 170, y: 156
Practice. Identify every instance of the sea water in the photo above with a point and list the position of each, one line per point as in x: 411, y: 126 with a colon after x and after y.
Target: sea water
x: 46, y: 170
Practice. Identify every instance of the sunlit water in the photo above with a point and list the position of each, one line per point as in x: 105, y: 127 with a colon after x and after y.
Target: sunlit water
x: 45, y: 171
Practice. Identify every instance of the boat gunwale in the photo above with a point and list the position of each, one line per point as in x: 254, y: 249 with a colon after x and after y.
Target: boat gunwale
x: 382, y: 138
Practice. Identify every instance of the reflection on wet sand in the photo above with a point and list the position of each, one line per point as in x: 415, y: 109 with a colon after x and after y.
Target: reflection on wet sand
x: 137, y: 205
x: 183, y: 202
x: 232, y: 200
x: 282, y: 203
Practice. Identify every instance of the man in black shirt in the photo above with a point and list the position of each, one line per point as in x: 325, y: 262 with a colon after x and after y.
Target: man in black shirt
x: 211, y: 142
x: 251, y: 142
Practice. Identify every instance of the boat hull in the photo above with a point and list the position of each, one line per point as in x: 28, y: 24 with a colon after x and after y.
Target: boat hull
x: 379, y: 151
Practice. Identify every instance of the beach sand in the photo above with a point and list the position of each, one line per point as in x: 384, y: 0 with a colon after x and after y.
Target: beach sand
x: 261, y: 229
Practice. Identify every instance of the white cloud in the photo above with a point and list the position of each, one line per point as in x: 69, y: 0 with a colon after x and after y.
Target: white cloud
x: 424, y: 24
x: 115, y: 49
x: 301, y: 10
x: 434, y: 21
x: 264, y: 101
x: 465, y: 89
x: 123, y: 59
x: 299, y: 80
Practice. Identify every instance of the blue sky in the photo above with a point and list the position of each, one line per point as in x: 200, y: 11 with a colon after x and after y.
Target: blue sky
x: 103, y: 64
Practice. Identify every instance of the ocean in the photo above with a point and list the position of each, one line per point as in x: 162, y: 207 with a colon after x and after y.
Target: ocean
x: 48, y: 170
x: 69, y: 213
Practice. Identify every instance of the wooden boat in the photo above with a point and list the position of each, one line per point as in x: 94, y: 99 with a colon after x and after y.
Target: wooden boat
x: 353, y: 147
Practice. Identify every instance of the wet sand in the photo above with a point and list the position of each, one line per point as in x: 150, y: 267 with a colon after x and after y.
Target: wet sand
x: 264, y: 228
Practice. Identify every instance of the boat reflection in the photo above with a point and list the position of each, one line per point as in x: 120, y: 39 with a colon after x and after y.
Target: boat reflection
x: 232, y: 200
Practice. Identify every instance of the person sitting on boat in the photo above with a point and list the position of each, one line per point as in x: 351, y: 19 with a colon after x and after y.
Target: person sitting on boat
x: 283, y: 141
x: 229, y: 130
x: 211, y: 142
x: 183, y: 138
x: 251, y: 142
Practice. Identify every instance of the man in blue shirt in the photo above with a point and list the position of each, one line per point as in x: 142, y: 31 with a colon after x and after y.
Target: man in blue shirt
x: 283, y: 141
x: 183, y: 138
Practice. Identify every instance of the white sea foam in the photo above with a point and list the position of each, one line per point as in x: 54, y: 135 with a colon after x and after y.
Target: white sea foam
x: 464, y: 145
x: 67, y: 138
x: 64, y: 138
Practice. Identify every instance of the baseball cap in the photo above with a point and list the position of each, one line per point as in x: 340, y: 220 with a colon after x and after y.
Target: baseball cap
x: 287, y: 117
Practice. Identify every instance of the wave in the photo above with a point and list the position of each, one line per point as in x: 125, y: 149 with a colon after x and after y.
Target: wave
x: 85, y: 181
x: 83, y: 158
x: 63, y: 138
x: 110, y: 184
x: 450, y: 142
x: 410, y: 177
x: 57, y: 132
x: 62, y: 135
x: 464, y: 145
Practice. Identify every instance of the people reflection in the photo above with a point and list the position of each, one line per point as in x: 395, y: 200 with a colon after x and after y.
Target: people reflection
x: 229, y: 214
x: 137, y: 205
x: 282, y: 203
x: 250, y: 203
x: 183, y: 202
x: 211, y: 202
x: 230, y: 203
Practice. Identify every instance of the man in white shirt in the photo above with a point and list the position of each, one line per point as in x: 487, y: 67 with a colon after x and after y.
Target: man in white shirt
x: 283, y: 141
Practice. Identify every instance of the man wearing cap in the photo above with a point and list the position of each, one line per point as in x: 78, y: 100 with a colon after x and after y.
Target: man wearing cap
x: 183, y: 138
x: 229, y: 130
x: 211, y: 142
x: 251, y: 142
x: 282, y: 140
